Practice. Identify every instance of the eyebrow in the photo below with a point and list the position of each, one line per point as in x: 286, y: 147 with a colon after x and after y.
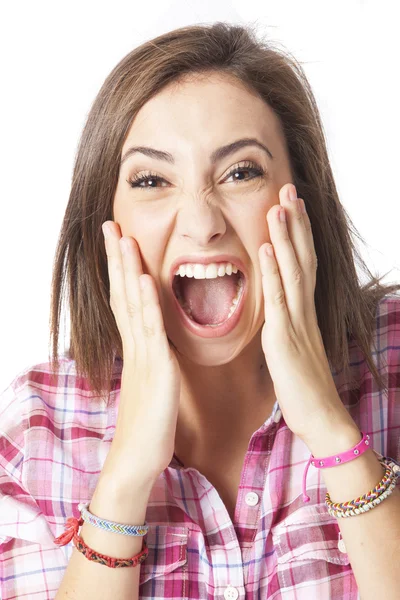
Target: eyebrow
x: 217, y: 155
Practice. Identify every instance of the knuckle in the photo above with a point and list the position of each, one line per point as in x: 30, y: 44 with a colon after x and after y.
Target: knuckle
x: 133, y: 309
x: 298, y: 215
x: 297, y: 275
x: 311, y: 259
x: 149, y: 332
x: 275, y: 270
x: 279, y: 298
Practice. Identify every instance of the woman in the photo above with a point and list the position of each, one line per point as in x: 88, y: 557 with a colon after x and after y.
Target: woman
x: 223, y: 367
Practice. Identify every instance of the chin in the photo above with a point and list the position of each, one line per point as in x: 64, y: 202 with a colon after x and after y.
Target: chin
x: 207, y: 352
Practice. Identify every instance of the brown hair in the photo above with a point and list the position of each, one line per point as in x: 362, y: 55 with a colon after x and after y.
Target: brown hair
x: 344, y: 307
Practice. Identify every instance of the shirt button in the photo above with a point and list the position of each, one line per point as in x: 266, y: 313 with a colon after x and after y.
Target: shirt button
x: 342, y: 547
x: 278, y: 415
x: 231, y: 593
x: 252, y: 499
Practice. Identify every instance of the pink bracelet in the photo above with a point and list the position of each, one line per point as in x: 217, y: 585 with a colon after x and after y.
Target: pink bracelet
x: 335, y: 459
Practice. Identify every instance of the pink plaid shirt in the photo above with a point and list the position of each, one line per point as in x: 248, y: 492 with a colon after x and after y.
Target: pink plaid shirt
x: 53, y: 444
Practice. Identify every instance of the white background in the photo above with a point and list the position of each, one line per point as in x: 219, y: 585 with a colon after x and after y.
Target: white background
x: 54, y: 58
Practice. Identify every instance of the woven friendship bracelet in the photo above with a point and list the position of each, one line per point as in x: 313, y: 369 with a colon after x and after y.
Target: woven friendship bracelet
x: 364, y: 503
x: 109, y: 561
x: 111, y: 525
x: 72, y: 529
x: 365, y: 498
x: 366, y: 507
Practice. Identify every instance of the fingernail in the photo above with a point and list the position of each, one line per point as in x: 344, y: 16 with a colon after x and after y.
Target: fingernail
x: 292, y: 193
x: 124, y: 245
x: 269, y: 250
x: 106, y: 229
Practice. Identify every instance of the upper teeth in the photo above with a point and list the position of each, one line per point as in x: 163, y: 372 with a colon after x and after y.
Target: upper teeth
x: 210, y: 271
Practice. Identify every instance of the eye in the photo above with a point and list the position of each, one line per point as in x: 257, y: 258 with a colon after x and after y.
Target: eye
x: 248, y: 167
x: 136, y: 180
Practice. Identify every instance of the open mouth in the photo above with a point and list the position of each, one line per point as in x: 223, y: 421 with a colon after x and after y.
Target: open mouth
x: 209, y: 302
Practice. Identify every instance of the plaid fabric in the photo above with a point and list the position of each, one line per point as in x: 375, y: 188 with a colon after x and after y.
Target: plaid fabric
x: 53, y: 443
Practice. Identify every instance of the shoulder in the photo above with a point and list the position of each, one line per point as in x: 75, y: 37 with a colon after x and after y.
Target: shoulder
x: 46, y: 414
x: 37, y: 393
x: 52, y: 429
x: 374, y: 408
x: 384, y: 405
x: 387, y: 336
x: 30, y: 408
x: 388, y: 315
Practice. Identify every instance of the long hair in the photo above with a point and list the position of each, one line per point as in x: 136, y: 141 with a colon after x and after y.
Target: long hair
x: 345, y: 308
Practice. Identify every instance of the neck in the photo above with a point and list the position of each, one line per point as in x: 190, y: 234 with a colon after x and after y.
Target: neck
x: 237, y: 396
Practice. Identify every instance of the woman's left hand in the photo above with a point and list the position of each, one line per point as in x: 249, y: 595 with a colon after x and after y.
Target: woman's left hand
x: 291, y: 339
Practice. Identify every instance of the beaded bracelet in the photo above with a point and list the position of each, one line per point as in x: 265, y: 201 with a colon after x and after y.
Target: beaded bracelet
x: 374, y: 497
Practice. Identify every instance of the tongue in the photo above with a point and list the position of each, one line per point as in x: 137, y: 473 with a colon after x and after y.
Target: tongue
x: 209, y: 299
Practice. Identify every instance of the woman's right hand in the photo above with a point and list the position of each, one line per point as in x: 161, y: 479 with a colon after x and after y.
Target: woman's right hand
x: 144, y: 438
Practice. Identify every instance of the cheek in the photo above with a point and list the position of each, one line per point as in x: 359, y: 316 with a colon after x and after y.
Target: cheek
x: 252, y: 225
x: 151, y: 232
x: 253, y: 231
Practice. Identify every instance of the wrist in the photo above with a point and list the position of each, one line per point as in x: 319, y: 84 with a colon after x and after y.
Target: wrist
x: 333, y: 436
x: 123, y: 482
x: 112, y: 505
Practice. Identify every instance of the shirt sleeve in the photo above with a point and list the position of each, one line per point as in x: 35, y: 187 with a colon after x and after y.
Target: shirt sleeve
x: 391, y: 313
x: 20, y: 515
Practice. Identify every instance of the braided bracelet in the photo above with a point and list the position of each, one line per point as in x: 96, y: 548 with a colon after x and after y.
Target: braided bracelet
x: 111, y: 525
x: 71, y: 532
x: 374, y: 497
x: 109, y: 561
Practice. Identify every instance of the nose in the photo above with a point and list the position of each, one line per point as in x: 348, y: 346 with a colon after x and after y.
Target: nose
x: 201, y: 222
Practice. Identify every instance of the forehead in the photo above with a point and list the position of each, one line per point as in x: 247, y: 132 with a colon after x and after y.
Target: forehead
x: 197, y: 105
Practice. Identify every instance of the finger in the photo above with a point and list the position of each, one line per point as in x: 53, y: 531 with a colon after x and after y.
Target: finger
x: 153, y: 322
x: 275, y: 309
x: 295, y: 222
x: 290, y: 271
x: 133, y: 269
x: 117, y: 285
x: 310, y: 262
x: 300, y: 234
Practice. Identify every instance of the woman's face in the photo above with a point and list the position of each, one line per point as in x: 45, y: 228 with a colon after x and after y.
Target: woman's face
x: 199, y: 208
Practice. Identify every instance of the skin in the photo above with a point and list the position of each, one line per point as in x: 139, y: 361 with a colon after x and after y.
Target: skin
x: 198, y: 209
